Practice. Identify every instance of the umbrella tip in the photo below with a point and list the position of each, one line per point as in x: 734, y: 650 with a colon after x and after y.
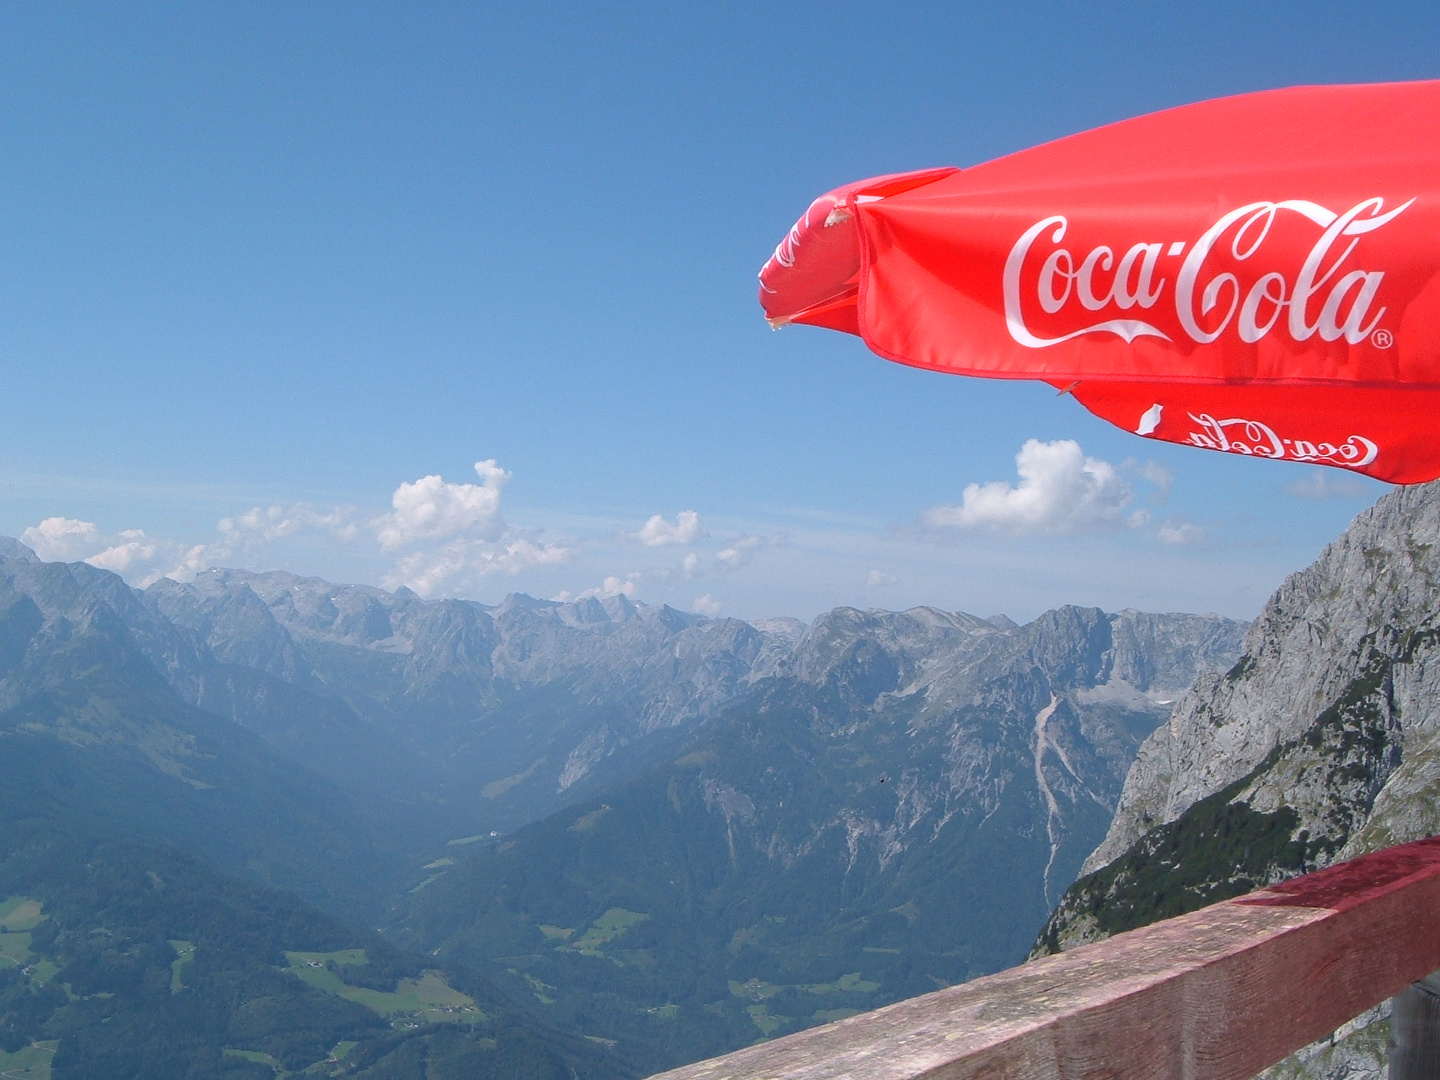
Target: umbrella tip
x: 779, y: 322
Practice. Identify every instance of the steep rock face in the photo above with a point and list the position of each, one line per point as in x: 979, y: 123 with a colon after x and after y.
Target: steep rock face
x: 1321, y: 743
x: 235, y: 623
x: 1353, y: 633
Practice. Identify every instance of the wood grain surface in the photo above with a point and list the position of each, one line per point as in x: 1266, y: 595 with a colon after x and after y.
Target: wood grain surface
x: 1218, y: 994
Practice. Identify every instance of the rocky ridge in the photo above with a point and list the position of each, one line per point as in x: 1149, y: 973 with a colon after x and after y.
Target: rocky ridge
x: 531, y: 704
x: 1321, y: 743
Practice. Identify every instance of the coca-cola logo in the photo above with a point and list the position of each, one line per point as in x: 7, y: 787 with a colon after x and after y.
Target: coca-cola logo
x: 1127, y: 294
x: 1255, y: 438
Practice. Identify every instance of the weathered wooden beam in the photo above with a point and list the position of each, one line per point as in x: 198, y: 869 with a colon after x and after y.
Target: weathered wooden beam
x: 1218, y: 994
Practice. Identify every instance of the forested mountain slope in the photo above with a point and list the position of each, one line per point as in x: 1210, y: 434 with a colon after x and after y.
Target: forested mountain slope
x: 126, y: 961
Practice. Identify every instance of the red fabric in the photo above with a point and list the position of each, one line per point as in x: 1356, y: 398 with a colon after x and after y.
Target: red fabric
x: 1385, y: 433
x: 1272, y: 257
x: 818, y: 262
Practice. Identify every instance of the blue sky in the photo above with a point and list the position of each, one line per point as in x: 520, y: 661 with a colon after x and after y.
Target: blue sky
x: 264, y: 268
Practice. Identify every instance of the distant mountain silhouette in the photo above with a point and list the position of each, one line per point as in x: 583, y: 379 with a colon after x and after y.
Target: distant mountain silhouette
x: 726, y: 830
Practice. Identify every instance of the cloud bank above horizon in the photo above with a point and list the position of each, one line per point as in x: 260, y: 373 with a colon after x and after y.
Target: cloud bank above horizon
x: 1065, y: 521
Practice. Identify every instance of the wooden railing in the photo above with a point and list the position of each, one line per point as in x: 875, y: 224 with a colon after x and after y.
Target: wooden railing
x: 1218, y: 994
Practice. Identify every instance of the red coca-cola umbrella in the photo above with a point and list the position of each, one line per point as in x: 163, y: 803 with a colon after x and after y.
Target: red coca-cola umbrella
x: 1257, y: 274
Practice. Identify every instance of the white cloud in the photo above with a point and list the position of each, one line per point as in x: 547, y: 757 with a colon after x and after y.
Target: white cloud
x: 611, y: 586
x: 135, y: 551
x: 1329, y: 484
x: 1152, y: 472
x: 462, y: 563
x: 690, y: 564
x: 657, y: 532
x: 1060, y: 491
x: 707, y: 605
x: 1177, y: 531
x: 740, y: 551
x: 878, y: 579
x: 432, y: 509
x: 265, y: 525
x: 192, y: 561
x: 62, y: 539
x: 129, y: 553
x: 477, y: 542
x: 446, y: 536
x: 241, y: 534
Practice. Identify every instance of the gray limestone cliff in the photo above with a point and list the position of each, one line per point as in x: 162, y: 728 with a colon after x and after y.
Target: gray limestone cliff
x: 1321, y: 743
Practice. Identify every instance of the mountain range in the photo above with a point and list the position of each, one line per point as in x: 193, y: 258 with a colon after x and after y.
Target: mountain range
x: 595, y: 839
x: 627, y: 836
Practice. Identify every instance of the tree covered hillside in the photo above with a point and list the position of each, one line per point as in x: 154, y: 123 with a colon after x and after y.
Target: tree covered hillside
x: 131, y: 962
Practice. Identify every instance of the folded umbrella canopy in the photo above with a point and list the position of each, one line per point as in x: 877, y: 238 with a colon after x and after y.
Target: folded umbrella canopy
x: 1257, y: 274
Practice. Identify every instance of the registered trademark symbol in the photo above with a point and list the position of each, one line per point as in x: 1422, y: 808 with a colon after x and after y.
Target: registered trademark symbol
x: 1383, y: 339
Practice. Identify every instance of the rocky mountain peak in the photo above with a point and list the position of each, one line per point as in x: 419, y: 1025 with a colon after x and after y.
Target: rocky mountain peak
x: 1322, y: 742
x: 11, y: 548
x: 1351, y: 633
